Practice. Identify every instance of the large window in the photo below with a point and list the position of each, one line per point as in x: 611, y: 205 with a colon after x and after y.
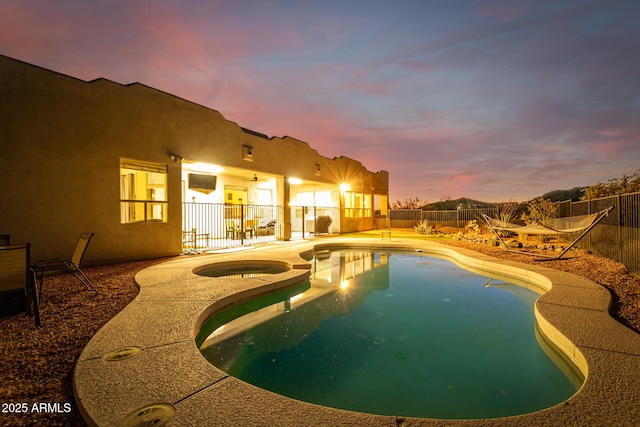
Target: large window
x: 143, y: 192
x: 357, y: 205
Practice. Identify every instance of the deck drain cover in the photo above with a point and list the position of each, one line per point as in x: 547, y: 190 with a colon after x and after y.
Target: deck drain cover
x: 121, y: 354
x: 156, y: 414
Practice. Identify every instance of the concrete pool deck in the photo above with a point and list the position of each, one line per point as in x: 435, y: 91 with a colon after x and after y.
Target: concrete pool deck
x: 144, y: 364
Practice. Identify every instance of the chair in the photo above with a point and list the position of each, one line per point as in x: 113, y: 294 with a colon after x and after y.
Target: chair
x: 57, y: 266
x: 17, y: 279
x: 232, y: 228
x: 250, y: 227
x: 556, y: 226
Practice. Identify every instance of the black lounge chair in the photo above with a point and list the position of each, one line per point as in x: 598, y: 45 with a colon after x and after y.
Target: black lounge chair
x: 17, y: 282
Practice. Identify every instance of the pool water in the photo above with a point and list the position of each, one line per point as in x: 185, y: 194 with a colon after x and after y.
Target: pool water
x: 399, y: 334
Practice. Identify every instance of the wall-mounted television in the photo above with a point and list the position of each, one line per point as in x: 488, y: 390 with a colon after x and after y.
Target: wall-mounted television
x: 202, y: 182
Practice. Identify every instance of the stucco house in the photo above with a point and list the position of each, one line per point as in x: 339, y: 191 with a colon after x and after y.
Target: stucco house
x: 152, y: 174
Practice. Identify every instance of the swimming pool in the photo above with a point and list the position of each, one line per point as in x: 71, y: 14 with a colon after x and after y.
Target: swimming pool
x: 399, y: 334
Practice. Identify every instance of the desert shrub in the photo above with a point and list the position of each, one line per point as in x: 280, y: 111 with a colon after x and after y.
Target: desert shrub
x: 507, y: 211
x: 423, y: 227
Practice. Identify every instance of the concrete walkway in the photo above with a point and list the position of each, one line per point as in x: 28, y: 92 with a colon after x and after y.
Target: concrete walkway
x: 144, y: 366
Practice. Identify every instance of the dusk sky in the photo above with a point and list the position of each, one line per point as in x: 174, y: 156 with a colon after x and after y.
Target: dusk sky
x: 493, y: 100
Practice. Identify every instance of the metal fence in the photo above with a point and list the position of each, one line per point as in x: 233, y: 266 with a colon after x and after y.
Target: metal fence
x: 408, y: 218
x: 616, y: 237
x: 309, y: 221
x: 216, y: 225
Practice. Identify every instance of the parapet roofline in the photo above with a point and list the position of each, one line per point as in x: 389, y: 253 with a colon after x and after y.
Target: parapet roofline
x: 254, y: 133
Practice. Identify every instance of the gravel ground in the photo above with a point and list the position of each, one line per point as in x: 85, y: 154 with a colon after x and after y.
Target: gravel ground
x: 37, y: 363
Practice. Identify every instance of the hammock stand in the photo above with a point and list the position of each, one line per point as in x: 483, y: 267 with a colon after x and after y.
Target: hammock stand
x: 554, y: 226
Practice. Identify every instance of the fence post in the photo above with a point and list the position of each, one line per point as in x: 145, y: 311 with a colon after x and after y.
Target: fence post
x: 619, y: 219
x: 242, y: 235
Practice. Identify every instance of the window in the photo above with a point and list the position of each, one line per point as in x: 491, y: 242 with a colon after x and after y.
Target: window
x: 380, y: 203
x: 323, y: 198
x: 143, y: 192
x: 304, y: 198
x: 366, y: 205
x: 348, y: 204
x: 357, y: 205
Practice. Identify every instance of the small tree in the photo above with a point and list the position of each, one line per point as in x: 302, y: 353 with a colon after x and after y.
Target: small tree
x: 409, y: 203
x: 623, y: 185
x: 539, y: 210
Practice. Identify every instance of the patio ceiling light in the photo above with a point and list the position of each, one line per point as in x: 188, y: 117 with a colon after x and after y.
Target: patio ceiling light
x: 295, y: 181
x: 204, y: 167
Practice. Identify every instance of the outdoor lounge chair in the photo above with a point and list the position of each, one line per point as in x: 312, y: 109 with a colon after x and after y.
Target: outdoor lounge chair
x: 556, y: 226
x: 51, y: 267
x: 17, y: 283
x: 266, y: 226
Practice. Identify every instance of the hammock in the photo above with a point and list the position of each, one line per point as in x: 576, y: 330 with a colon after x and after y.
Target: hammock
x: 554, y: 226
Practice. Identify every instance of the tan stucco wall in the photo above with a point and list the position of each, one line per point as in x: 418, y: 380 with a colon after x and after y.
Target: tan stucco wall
x: 63, y: 139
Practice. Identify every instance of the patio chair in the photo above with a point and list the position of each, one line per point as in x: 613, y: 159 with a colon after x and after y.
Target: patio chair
x: 250, y: 227
x: 17, y: 282
x: 52, y: 267
x: 232, y: 228
x: 556, y: 226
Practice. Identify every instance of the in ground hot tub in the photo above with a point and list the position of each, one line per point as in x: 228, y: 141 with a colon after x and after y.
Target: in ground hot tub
x: 242, y: 271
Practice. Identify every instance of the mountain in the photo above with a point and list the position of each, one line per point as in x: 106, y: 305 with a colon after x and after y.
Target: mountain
x: 451, y: 204
x: 562, y: 195
x: 572, y: 194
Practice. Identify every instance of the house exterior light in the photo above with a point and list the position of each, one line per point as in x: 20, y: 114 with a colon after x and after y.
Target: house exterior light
x: 295, y: 181
x: 345, y: 187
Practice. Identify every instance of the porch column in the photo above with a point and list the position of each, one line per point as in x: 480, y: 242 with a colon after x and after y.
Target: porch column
x: 286, y: 220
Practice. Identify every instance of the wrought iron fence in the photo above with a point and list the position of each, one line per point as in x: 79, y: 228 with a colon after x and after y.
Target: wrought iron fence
x: 217, y: 225
x: 314, y: 220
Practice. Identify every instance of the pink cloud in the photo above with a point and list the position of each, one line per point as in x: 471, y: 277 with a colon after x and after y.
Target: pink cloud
x: 608, y: 147
x: 610, y: 133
